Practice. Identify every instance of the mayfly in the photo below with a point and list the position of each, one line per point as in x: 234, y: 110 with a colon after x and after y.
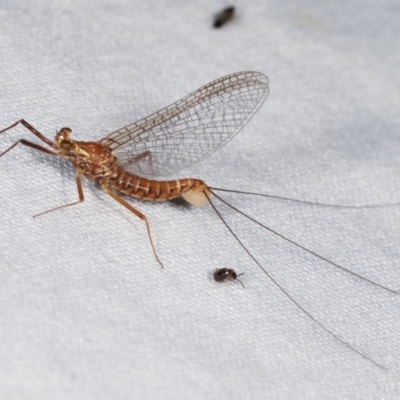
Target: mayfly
x: 227, y: 274
x: 131, y: 159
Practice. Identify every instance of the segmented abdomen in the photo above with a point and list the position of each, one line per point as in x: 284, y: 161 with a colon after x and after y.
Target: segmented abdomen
x: 146, y: 189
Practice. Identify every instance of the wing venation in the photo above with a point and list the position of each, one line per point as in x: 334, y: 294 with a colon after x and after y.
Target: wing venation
x: 190, y: 129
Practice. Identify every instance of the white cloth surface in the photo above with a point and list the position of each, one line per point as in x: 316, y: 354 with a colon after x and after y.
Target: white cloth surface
x: 86, y: 312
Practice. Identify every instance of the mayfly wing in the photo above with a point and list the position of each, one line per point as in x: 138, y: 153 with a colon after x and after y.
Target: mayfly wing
x: 190, y: 129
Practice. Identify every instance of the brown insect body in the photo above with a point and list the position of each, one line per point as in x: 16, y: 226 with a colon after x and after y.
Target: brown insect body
x: 154, y: 190
x: 96, y: 162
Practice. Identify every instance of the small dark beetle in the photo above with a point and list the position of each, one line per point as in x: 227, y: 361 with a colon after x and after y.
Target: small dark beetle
x: 225, y: 16
x: 227, y: 274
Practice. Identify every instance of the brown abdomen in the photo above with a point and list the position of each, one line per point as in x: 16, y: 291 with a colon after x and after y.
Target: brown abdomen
x: 146, y: 189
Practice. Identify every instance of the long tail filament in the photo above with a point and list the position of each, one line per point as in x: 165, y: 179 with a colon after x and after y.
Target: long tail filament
x: 278, y: 285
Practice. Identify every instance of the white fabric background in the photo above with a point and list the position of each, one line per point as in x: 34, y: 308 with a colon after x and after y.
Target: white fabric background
x: 86, y: 311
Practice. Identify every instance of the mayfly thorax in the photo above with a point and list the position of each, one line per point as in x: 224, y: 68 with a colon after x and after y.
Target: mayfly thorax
x: 132, y: 159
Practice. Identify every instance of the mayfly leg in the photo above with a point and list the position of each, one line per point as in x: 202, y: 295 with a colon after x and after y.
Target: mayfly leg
x: 30, y: 144
x: 47, y: 151
x: 26, y: 142
x: 281, y: 288
x: 80, y: 194
x: 138, y: 214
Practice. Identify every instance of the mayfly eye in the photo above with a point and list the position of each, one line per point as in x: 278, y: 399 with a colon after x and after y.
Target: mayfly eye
x: 65, y: 130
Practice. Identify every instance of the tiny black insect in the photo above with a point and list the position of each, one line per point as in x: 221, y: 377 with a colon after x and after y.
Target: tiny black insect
x: 227, y: 274
x: 225, y: 16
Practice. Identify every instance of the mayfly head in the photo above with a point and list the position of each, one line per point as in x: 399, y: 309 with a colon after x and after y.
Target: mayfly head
x: 64, y: 143
x: 87, y: 152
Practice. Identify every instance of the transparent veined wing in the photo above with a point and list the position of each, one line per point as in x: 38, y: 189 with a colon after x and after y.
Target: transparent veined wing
x: 190, y: 129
